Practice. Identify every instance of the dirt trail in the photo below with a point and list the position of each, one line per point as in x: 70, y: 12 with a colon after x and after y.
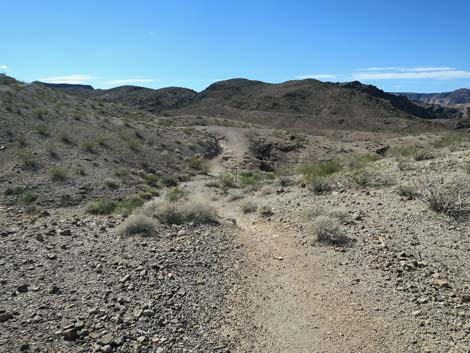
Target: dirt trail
x: 302, y: 299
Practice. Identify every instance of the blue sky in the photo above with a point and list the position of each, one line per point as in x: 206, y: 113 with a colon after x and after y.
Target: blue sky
x: 413, y: 45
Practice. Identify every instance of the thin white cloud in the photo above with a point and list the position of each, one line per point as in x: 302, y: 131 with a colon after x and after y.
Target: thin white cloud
x: 3, y: 67
x: 129, y: 80
x: 315, y: 76
x: 417, y: 74
x: 72, y: 79
x: 408, y: 69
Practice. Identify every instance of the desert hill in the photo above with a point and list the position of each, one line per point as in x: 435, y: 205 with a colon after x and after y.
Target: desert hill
x: 305, y: 104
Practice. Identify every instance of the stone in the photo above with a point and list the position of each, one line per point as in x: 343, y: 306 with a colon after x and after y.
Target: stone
x: 107, y: 349
x: 107, y: 339
x: 65, y: 232
x: 5, y: 317
x: 23, y: 288
x: 440, y: 283
x: 465, y: 298
x: 70, y: 334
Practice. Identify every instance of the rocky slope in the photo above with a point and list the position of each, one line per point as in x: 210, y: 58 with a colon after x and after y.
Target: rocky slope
x: 57, y: 149
x: 306, y: 104
x: 460, y: 96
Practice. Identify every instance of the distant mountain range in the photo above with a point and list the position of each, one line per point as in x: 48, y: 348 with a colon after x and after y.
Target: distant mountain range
x: 304, y: 104
x: 460, y: 96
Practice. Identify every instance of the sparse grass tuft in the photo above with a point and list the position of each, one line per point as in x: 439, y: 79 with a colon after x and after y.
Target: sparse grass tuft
x: 28, y: 159
x: 407, y: 190
x: 65, y: 138
x: 29, y: 197
x: 175, y: 194
x: 121, y: 172
x: 42, y: 130
x: 138, y: 225
x: 101, y: 207
x: 111, y: 183
x: 89, y: 146
x: 57, y: 174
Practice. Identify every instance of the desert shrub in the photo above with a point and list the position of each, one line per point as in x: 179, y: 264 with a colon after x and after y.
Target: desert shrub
x: 236, y: 195
x: 112, y: 183
x: 327, y: 230
x: 42, y: 130
x: 14, y: 190
x: 450, y: 197
x: 169, y: 180
x: 77, y: 116
x: 129, y: 204
x: 212, y: 184
x: 89, y: 146
x: 181, y: 212
x: 405, y: 151
x: 423, y: 156
x: 266, y: 211
x: 151, y: 179
x: 101, y: 207
x: 21, y: 140
x: 466, y: 167
x: 57, y: 173
x: 449, y: 140
x: 359, y: 160
x: 27, y: 158
x: 33, y: 209
x: 29, y: 197
x: 316, y: 175
x: 175, y: 194
x: 65, y: 138
x: 285, y: 181
x: 248, y: 207
x: 40, y: 114
x: 101, y: 141
x: 407, y: 190
x: 81, y: 170
x: 52, y: 152
x: 121, y: 172
x: 138, y: 134
x: 196, y: 162
x: 138, y: 225
x: 367, y: 178
x: 337, y: 213
x: 134, y: 145
x: 226, y: 180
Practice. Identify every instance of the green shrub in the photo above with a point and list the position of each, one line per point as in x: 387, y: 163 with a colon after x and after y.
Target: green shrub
x: 226, y: 180
x: 316, y: 175
x: 121, y: 172
x: 175, y: 194
x: 42, y: 130
x: 17, y: 190
x: 101, y: 207
x: 134, y: 145
x: 169, y: 180
x: 29, y: 197
x: 196, y: 162
x: 111, y: 183
x: 129, y: 204
x: 138, y: 225
x: 27, y: 158
x: 58, y: 174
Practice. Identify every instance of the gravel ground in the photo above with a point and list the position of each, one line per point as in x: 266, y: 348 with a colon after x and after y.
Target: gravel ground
x: 69, y: 284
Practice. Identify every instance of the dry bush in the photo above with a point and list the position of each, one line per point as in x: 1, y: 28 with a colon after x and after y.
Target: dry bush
x: 340, y: 214
x: 266, y: 211
x: 236, y: 195
x: 327, y: 230
x: 181, y: 212
x: 410, y: 191
x: 450, y: 197
x: 138, y: 225
x: 111, y: 183
x: 248, y: 207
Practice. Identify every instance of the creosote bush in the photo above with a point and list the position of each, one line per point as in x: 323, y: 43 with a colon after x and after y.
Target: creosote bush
x: 327, y: 230
x: 175, y: 194
x: 138, y: 225
x: 112, y: 183
x: 58, y: 174
x: 181, y: 212
x: 248, y: 207
x: 101, y: 207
